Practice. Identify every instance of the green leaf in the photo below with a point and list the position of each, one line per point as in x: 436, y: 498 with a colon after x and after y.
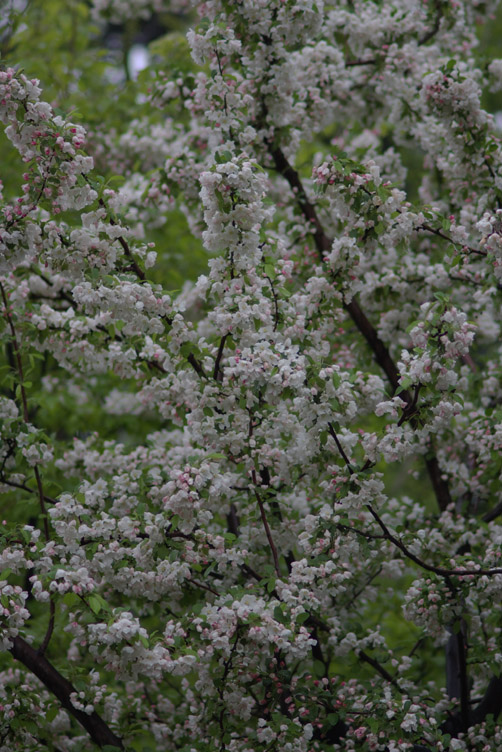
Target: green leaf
x: 319, y: 669
x: 70, y: 599
x: 279, y: 614
x: 269, y: 270
x: 302, y: 618
x: 51, y: 713
x: 95, y: 604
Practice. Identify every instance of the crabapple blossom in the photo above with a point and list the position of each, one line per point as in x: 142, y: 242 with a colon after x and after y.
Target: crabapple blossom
x: 260, y: 511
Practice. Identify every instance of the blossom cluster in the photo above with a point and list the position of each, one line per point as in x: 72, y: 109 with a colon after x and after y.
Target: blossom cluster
x: 259, y: 512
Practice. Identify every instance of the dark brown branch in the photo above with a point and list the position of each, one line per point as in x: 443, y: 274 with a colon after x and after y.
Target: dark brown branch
x: 233, y: 521
x: 340, y: 448
x: 411, y: 407
x: 464, y: 679
x: 323, y: 244
x: 380, y: 351
x: 435, y: 28
x: 378, y: 667
x: 24, y: 487
x: 98, y: 730
x: 440, y: 234
x: 440, y: 486
x: 452, y: 667
x: 137, y: 270
x: 196, y: 366
x: 276, y: 303
x: 252, y: 573
x: 361, y: 533
x: 491, y: 704
x: 216, y: 373
x: 493, y: 513
x: 429, y: 567
x: 266, y: 526
x: 38, y: 479
x: 50, y: 628
x: 201, y: 586
x: 352, y: 63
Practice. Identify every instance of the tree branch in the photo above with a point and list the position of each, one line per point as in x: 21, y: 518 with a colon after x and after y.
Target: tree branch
x: 24, y: 487
x: 380, y: 351
x: 491, y: 704
x: 137, y: 269
x: 434, y: 30
x: 378, y: 667
x: 217, y: 363
x: 440, y: 486
x: 429, y: 567
x: 98, y: 730
x: 323, y: 243
x: 38, y: 479
x: 266, y: 526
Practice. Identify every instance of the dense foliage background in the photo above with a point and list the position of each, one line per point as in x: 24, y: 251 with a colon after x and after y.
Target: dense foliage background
x: 190, y: 607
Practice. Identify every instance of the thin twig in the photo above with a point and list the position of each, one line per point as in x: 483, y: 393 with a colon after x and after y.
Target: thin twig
x: 434, y: 30
x: 197, y: 367
x: 266, y: 526
x: 340, y: 448
x: 200, y: 585
x: 352, y: 63
x: 429, y: 567
x: 276, y: 303
x: 50, y: 628
x: 24, y: 487
x: 380, y: 351
x: 378, y: 667
x: 216, y: 372
x: 38, y: 479
x: 441, y: 234
x: 323, y: 244
x: 137, y: 270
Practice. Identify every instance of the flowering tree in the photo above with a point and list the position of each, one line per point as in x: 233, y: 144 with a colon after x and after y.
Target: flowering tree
x: 267, y: 515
